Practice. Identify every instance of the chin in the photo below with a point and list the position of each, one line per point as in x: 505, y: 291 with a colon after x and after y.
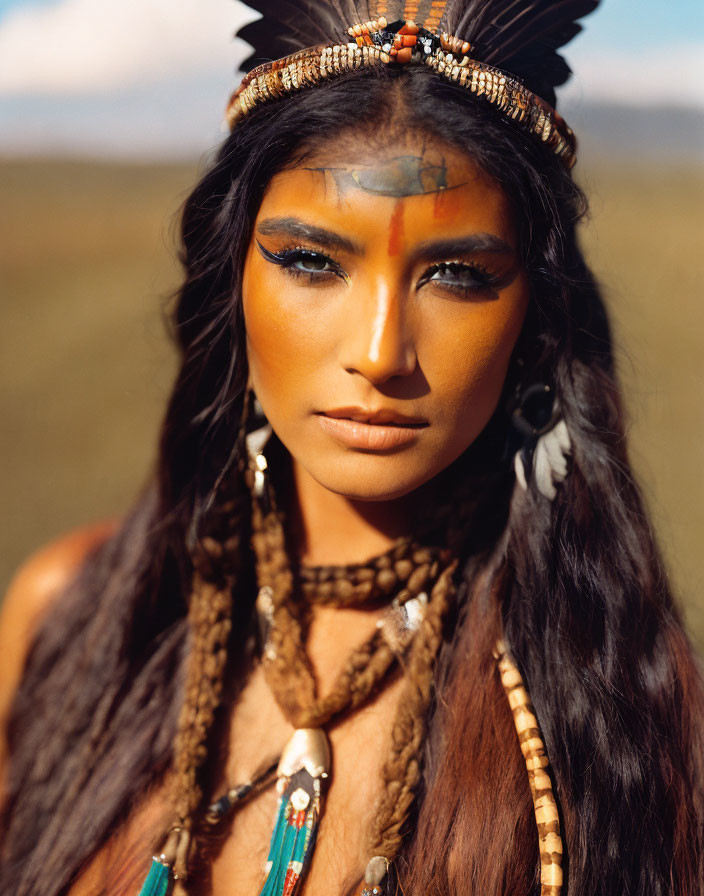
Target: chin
x: 373, y: 478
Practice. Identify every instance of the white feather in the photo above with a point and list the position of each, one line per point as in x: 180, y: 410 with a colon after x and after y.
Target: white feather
x: 543, y: 470
x: 549, y: 461
x: 563, y: 437
x: 557, y: 459
x: 256, y: 440
x: 520, y: 471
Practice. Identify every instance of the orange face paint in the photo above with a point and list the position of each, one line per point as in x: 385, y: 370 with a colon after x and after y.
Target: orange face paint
x: 381, y: 282
x: 445, y: 203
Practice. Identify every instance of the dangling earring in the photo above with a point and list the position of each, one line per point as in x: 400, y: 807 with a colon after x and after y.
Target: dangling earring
x: 545, y: 440
x: 256, y: 432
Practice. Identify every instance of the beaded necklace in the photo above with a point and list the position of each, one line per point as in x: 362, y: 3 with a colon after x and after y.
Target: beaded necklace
x: 416, y: 581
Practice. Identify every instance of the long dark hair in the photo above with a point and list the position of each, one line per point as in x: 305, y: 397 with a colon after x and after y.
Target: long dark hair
x: 577, y: 584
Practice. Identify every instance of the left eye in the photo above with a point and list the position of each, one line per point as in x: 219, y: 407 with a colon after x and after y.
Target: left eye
x: 459, y: 276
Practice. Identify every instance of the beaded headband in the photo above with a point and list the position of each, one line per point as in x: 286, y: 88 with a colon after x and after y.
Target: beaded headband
x: 398, y: 43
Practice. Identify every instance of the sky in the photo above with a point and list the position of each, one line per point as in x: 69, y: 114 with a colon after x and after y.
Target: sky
x: 152, y: 76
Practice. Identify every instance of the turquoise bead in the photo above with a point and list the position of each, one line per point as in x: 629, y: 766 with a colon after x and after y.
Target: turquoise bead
x: 158, y: 880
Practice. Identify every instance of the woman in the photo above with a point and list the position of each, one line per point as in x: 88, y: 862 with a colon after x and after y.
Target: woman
x: 384, y: 256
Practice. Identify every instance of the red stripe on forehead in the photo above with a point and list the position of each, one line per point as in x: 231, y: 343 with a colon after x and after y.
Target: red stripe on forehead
x: 396, y: 229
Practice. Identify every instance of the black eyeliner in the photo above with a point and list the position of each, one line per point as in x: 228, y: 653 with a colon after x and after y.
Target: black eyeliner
x: 484, y: 278
x: 287, y: 257
x: 271, y: 256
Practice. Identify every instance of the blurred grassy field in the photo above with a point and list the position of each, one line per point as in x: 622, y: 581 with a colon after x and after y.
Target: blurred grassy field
x: 86, y: 269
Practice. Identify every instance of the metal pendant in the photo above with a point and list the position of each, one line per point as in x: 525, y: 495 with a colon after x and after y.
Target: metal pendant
x: 303, y: 768
x: 309, y: 749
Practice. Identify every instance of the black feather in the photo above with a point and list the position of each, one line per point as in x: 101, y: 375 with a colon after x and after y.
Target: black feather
x: 287, y: 26
x: 551, y: 28
x: 521, y: 37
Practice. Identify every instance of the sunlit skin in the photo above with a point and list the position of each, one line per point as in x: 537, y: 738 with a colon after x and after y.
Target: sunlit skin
x: 348, y: 306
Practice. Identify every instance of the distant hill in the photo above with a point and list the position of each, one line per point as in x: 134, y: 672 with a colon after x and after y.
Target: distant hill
x: 652, y: 134
x: 183, y: 122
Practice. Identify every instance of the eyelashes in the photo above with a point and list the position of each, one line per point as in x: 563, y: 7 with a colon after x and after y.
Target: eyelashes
x: 459, y: 277
x: 300, y: 262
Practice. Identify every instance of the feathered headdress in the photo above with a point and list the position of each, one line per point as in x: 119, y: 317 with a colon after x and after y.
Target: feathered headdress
x: 505, y: 51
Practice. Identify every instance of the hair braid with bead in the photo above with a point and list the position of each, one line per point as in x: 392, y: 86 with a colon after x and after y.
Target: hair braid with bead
x: 217, y: 561
x: 404, y: 570
x: 402, y: 771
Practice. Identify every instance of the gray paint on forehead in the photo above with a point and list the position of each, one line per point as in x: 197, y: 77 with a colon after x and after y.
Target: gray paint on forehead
x: 397, y: 177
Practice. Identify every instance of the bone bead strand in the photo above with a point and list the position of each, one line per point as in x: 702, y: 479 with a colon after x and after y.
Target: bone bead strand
x: 547, y: 817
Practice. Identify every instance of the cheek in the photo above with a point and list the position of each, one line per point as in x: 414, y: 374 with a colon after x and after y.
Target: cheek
x: 475, y: 360
x: 284, y: 339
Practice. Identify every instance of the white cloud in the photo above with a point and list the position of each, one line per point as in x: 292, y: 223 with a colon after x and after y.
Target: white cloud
x: 93, y: 46
x: 96, y: 46
x: 670, y: 75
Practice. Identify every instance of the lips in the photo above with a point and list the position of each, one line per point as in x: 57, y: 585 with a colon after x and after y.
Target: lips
x: 380, y: 430
x: 380, y: 417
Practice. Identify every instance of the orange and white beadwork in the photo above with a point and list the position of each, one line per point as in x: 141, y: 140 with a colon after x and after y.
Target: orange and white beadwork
x: 378, y: 42
x: 547, y: 816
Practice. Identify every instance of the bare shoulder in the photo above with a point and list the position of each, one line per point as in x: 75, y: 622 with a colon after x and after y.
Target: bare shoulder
x: 36, y: 584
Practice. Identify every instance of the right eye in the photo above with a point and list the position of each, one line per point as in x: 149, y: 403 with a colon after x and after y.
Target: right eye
x: 301, y: 262
x: 309, y: 262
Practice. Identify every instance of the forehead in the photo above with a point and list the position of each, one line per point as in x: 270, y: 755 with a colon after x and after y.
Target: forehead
x: 364, y: 189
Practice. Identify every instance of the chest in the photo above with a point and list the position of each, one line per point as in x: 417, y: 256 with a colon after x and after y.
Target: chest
x: 359, y: 745
x: 257, y: 731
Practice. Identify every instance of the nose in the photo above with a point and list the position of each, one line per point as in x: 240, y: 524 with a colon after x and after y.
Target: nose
x: 380, y: 344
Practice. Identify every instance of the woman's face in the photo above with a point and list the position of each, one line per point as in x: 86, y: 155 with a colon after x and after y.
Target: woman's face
x: 383, y: 295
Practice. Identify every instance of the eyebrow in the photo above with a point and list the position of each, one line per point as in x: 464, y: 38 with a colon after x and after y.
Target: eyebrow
x: 464, y: 245
x: 300, y: 230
